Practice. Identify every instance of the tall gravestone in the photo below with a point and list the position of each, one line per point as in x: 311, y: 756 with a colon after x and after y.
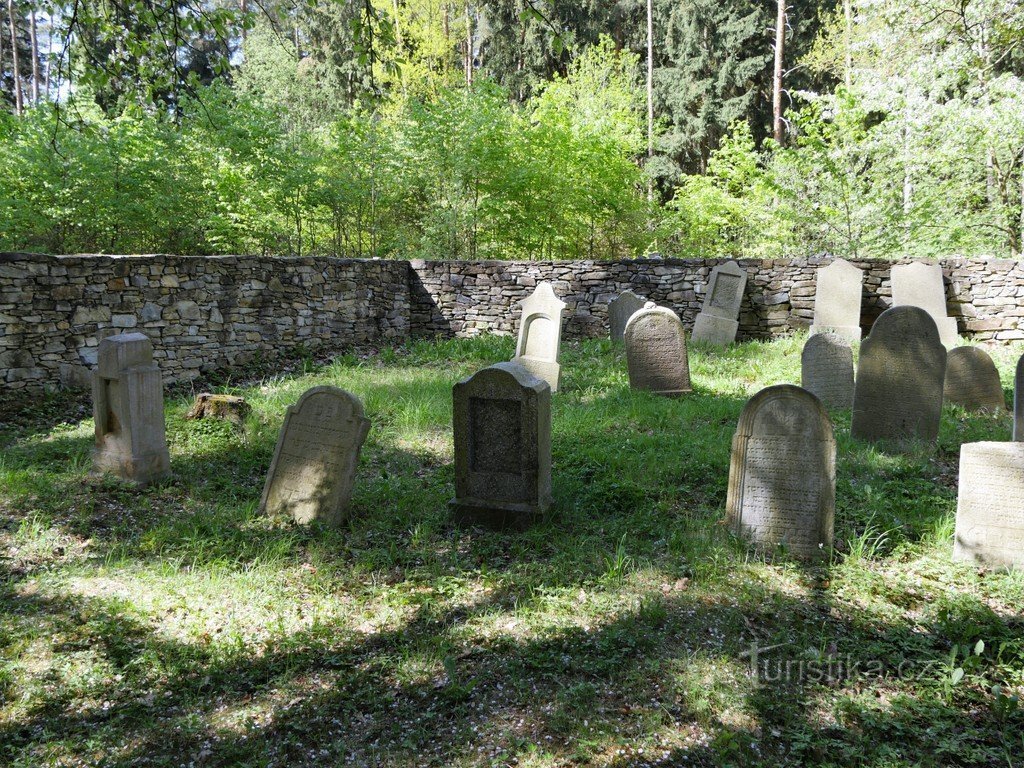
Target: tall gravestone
x: 502, y: 430
x: 656, y: 351
x: 920, y: 285
x: 782, y: 475
x: 900, y: 373
x: 620, y: 310
x: 826, y: 370
x: 1018, y: 401
x: 837, y: 300
x: 314, y: 466
x: 128, y: 410
x: 972, y: 380
x: 716, y: 323
x: 540, y: 335
x: 990, y: 505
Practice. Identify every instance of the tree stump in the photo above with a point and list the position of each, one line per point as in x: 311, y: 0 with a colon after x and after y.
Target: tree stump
x: 226, y: 407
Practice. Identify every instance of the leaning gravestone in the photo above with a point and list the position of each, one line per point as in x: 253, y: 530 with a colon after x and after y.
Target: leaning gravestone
x: 502, y: 430
x: 128, y: 409
x: 656, y: 351
x: 837, y: 300
x: 716, y: 323
x: 920, y: 285
x: 782, y: 475
x: 972, y: 381
x: 990, y: 505
x: 1018, y: 401
x: 314, y: 465
x: 826, y: 367
x: 902, y: 365
x: 620, y: 310
x: 540, y: 335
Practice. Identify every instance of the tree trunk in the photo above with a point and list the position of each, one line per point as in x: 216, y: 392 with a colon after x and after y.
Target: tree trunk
x: 848, y: 41
x: 650, y: 92
x: 35, y: 56
x: 469, y: 47
x: 780, y: 39
x: 15, y: 66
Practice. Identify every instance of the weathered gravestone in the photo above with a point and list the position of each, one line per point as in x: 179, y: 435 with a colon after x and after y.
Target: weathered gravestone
x: 837, y: 300
x: 782, y: 476
x: 502, y: 430
x: 902, y: 365
x: 620, y: 310
x: 826, y: 370
x: 314, y: 466
x: 990, y: 505
x: 716, y: 323
x: 128, y: 409
x: 972, y: 380
x: 656, y: 351
x: 920, y: 285
x: 540, y: 335
x: 1018, y: 401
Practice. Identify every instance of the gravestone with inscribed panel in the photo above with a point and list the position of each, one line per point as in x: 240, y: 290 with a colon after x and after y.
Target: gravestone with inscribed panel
x: 1018, y: 401
x: 716, y: 323
x: 540, y: 335
x: 656, y: 351
x: 837, y: 300
x: 990, y: 505
x: 972, y: 381
x: 920, y: 285
x: 826, y: 366
x: 620, y: 310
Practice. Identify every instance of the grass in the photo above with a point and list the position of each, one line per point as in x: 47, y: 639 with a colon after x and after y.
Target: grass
x: 175, y: 626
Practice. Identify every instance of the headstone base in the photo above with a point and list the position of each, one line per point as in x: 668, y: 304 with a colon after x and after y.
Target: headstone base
x: 711, y: 329
x: 989, y: 523
x: 489, y: 514
x: 848, y: 332
x: 542, y: 369
x: 141, y: 470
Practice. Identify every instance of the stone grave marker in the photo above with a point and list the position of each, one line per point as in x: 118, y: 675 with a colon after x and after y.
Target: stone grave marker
x: 1018, y: 401
x: 540, y: 335
x: 972, y: 380
x: 990, y: 505
x: 920, y: 285
x: 837, y: 300
x: 314, y: 466
x: 826, y: 366
x: 502, y: 430
x: 128, y: 410
x: 716, y: 323
x: 902, y: 365
x: 656, y: 351
x: 782, y: 474
x: 620, y: 310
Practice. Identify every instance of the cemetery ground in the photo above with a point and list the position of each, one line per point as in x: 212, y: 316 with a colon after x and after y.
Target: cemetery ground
x: 175, y: 626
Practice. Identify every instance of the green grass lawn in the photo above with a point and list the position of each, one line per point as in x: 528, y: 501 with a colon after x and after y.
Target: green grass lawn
x: 175, y: 626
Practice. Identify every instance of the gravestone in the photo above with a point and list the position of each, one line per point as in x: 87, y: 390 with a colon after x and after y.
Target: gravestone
x: 782, y: 474
x: 314, y: 466
x: 620, y: 310
x: 920, y: 285
x: 502, y: 430
x: 990, y: 505
x: 826, y: 366
x: 972, y: 380
x: 716, y: 323
x: 540, y: 335
x: 128, y: 410
x: 902, y: 365
x: 1018, y: 401
x: 837, y: 300
x: 656, y: 351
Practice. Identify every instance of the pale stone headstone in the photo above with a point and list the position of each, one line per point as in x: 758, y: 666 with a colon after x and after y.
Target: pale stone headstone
x: 1018, y: 401
x: 128, y: 409
x: 656, y: 351
x: 837, y: 300
x: 826, y: 366
x: 900, y: 372
x: 990, y: 505
x: 782, y: 475
x: 716, y: 323
x: 620, y: 310
x: 972, y: 380
x: 540, y: 335
x: 920, y: 285
x: 314, y: 466
x: 502, y: 430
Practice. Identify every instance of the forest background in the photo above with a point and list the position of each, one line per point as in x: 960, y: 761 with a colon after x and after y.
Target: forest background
x: 513, y: 129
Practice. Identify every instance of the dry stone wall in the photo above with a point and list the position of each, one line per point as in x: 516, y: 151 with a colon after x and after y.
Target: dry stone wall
x: 209, y: 313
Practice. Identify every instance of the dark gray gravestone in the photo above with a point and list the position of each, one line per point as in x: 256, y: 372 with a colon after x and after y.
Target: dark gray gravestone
x: 540, y: 335
x: 502, y: 430
x: 902, y: 365
x: 990, y: 505
x: 921, y: 285
x: 837, y: 300
x: 314, y: 466
x: 972, y: 381
x: 716, y: 323
x: 1018, y: 401
x: 128, y: 410
x: 826, y: 366
x: 782, y: 474
x: 656, y: 351
x: 620, y: 310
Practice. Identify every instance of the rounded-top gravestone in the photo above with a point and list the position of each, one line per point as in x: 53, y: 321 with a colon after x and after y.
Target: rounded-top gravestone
x: 826, y: 370
x: 656, y: 351
x: 972, y: 380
